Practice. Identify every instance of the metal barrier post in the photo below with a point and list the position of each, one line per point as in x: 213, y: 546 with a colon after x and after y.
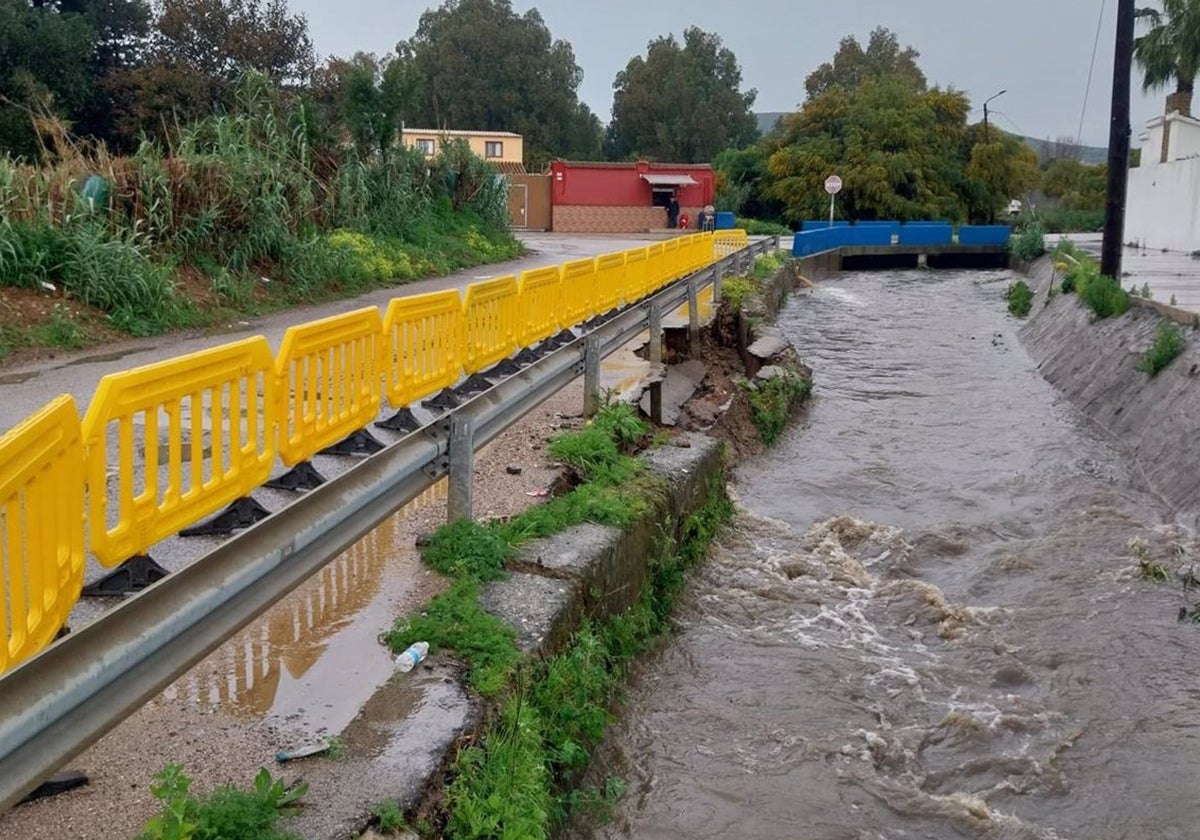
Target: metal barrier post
x: 693, y: 315
x: 591, y: 375
x: 716, y: 284
x: 462, y: 468
x: 656, y: 359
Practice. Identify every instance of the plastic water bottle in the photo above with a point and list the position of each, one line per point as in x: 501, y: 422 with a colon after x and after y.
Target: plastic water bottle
x: 408, y: 660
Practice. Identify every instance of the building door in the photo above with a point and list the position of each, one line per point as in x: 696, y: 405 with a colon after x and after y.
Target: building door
x: 518, y: 206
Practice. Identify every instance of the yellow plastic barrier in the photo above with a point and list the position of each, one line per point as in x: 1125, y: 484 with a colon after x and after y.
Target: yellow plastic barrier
x: 579, y: 289
x: 227, y: 393
x: 422, y: 345
x: 635, y: 274
x: 41, y: 514
x: 671, y: 260
x: 610, y: 282
x: 328, y: 381
x: 540, y: 290
x: 726, y: 242
x: 704, y: 249
x: 491, y: 322
x: 655, y: 267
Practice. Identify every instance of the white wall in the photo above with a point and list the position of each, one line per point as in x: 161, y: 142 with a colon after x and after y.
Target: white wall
x: 1185, y: 138
x: 1163, y: 206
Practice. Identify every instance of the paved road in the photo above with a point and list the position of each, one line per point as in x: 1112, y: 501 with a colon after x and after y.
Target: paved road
x: 1169, y: 274
x: 24, y: 389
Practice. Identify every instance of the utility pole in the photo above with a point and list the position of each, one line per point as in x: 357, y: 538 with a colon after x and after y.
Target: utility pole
x: 1118, y: 145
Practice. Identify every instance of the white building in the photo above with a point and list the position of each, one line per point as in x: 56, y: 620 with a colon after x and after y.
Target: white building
x: 1163, y: 206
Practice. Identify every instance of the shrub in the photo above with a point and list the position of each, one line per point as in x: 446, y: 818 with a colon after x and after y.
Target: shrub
x: 1020, y: 298
x: 755, y: 227
x: 228, y: 814
x: 772, y: 401
x: 1030, y: 243
x: 1168, y: 343
x: 1103, y: 295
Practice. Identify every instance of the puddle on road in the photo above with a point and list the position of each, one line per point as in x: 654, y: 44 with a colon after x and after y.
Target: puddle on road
x: 116, y: 355
x: 17, y: 378
x: 315, y: 658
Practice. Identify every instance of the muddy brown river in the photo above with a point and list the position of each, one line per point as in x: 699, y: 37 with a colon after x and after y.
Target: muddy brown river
x: 926, y: 621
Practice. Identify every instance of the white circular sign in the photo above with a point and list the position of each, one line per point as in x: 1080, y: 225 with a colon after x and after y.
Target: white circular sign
x: 833, y: 185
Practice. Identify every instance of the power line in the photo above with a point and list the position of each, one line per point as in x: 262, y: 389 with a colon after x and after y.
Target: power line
x: 1091, y: 67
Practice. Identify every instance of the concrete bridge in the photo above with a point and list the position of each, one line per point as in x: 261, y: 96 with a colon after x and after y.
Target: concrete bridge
x: 889, y: 244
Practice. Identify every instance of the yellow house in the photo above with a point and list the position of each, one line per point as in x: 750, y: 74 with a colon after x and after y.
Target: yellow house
x: 500, y: 147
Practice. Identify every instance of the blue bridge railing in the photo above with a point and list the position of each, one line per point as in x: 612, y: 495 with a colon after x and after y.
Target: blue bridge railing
x: 815, y: 237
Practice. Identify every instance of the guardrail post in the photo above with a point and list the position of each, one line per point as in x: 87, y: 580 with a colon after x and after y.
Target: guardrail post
x: 716, y: 284
x: 462, y: 468
x: 591, y: 375
x: 693, y: 315
x: 656, y: 354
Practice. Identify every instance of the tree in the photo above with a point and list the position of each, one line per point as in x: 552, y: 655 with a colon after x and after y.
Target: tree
x: 1170, y: 49
x: 482, y: 66
x: 682, y: 104
x: 1076, y: 185
x: 44, y: 70
x: 1001, y: 167
x: 852, y: 65
x: 900, y: 152
x: 375, y: 96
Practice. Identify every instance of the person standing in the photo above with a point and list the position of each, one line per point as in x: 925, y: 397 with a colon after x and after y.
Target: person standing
x: 673, y: 212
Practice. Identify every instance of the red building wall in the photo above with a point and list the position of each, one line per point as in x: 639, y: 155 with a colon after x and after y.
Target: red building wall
x: 607, y: 184
x: 578, y: 191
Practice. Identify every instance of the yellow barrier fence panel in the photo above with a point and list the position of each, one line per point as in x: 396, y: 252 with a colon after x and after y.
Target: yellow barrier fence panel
x: 706, y: 249
x: 41, y: 515
x: 727, y: 242
x: 670, y: 260
x: 695, y: 251
x: 540, y: 293
x: 422, y: 345
x: 610, y: 281
x: 655, y: 267
x: 491, y: 322
x: 328, y: 381
x: 635, y: 275
x: 579, y: 290
x: 207, y: 420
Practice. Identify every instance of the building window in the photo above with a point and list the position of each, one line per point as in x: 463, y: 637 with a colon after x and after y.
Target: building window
x: 425, y: 146
x: 493, y: 149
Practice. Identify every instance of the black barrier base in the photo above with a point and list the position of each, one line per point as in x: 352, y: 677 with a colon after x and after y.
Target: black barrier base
x: 402, y: 421
x: 303, y: 476
x: 474, y: 384
x: 506, y: 368
x: 559, y: 340
x: 444, y: 401
x: 526, y: 357
x: 133, y: 575
x: 241, y: 514
x: 361, y: 442
x: 56, y: 784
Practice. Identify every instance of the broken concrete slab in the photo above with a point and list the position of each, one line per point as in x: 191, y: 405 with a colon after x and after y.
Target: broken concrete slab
x: 768, y: 345
x: 770, y: 372
x: 680, y: 383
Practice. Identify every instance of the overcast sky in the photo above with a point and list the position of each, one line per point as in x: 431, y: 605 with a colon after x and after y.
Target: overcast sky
x: 1037, y: 50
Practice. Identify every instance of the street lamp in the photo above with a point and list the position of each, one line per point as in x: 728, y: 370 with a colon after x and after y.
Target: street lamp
x: 985, y: 122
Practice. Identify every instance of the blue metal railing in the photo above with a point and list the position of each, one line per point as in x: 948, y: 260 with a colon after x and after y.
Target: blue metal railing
x: 816, y: 237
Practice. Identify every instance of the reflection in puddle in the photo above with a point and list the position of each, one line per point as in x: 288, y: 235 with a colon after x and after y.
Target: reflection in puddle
x: 314, y: 658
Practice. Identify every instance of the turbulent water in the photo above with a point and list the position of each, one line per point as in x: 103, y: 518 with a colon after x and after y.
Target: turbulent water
x: 927, y: 620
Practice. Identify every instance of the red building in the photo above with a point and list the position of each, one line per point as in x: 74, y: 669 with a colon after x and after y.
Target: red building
x: 625, y: 197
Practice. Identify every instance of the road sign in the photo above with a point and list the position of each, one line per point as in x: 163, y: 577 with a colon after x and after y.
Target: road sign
x: 833, y: 185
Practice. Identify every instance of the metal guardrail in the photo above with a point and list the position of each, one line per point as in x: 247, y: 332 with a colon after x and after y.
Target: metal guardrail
x: 55, y: 705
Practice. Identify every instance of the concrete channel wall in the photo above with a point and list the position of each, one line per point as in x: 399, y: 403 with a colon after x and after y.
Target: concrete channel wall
x: 415, y: 724
x: 1094, y: 364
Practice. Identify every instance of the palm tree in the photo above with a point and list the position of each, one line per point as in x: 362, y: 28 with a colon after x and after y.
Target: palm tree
x: 1170, y: 50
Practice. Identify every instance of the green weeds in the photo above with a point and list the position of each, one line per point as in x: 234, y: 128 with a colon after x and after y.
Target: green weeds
x: 1020, y: 298
x: 227, y: 814
x: 772, y: 401
x: 388, y: 816
x: 757, y: 227
x: 735, y: 291
x: 1030, y: 241
x: 1102, y: 294
x: 1168, y: 343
